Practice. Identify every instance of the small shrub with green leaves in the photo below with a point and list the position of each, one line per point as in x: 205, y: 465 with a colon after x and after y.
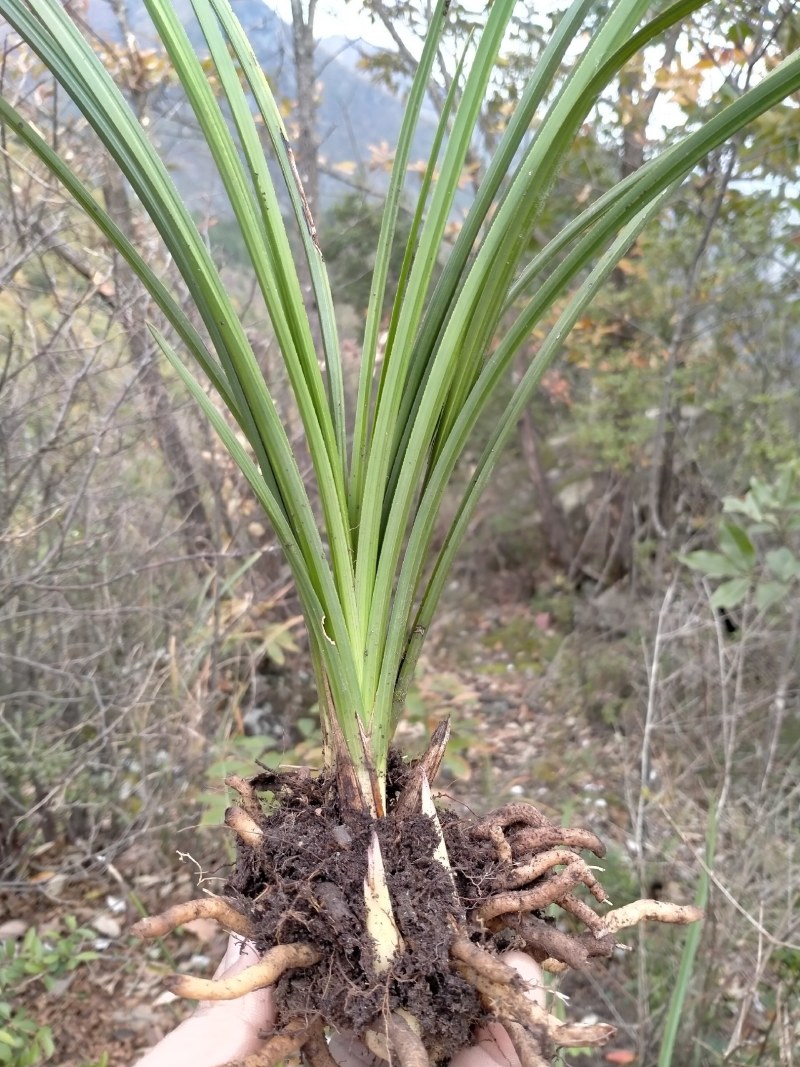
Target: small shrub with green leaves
x: 759, y: 550
x: 35, y: 960
x: 391, y: 914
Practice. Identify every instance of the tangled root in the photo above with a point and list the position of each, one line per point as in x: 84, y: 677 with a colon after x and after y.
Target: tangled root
x: 299, y: 903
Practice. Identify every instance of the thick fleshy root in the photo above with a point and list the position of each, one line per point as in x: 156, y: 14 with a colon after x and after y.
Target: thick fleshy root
x: 248, y: 796
x: 266, y: 972
x: 405, y: 1043
x: 656, y: 910
x: 537, y: 864
x: 228, y: 916
x: 279, y: 1047
x: 244, y: 826
x: 503, y: 993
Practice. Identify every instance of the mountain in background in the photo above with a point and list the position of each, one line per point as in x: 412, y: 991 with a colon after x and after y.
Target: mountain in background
x: 354, y: 113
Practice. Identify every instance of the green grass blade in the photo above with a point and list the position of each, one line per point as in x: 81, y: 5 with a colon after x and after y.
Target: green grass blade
x: 54, y: 37
x: 541, y: 162
x: 465, y: 337
x: 374, y: 594
x: 691, y: 946
x: 509, y: 232
x: 258, y: 215
x: 270, y: 254
x: 617, y: 204
x: 408, y: 259
x: 447, y: 287
x: 413, y: 106
x: 638, y: 41
x: 442, y: 300
x: 420, y: 208
x: 652, y: 181
x: 51, y: 33
x: 399, y: 661
x: 273, y: 123
x: 308, y: 572
x: 83, y: 197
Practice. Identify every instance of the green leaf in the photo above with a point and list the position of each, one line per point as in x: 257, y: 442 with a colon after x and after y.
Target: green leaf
x: 764, y: 495
x: 746, y: 505
x: 768, y: 594
x: 731, y: 593
x: 46, y: 1042
x: 783, y: 563
x: 735, y: 544
x: 786, y: 484
x: 710, y: 564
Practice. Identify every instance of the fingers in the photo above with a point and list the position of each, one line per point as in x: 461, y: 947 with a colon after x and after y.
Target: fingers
x: 219, y: 1031
x: 348, y: 1051
x: 492, y: 1047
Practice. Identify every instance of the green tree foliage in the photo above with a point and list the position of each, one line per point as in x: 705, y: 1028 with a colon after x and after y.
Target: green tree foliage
x: 349, y: 235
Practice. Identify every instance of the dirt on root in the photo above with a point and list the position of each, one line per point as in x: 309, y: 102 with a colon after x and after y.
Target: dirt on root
x: 303, y: 882
x: 306, y: 884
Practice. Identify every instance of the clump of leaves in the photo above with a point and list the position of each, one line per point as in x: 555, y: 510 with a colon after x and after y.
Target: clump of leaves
x: 758, y: 550
x: 35, y: 960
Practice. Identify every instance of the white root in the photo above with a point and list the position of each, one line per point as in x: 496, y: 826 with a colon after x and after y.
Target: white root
x: 264, y: 973
x: 216, y: 908
x: 656, y: 910
x: 244, y: 826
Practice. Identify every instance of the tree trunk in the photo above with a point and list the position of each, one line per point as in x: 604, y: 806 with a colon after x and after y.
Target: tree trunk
x: 554, y: 522
x: 306, y: 147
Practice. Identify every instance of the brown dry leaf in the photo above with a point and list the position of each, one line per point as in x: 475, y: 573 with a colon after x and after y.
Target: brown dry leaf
x: 41, y: 876
x: 13, y: 929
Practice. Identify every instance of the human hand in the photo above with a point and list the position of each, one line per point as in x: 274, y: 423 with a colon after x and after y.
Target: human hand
x: 227, y: 1030
x: 220, y: 1031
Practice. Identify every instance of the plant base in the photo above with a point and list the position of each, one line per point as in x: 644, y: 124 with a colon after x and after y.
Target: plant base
x: 297, y: 893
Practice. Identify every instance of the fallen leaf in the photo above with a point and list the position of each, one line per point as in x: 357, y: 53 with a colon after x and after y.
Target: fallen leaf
x: 107, y: 926
x: 620, y: 1055
x: 41, y: 876
x: 13, y: 929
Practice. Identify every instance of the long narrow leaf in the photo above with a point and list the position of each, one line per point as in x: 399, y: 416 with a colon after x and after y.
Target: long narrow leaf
x: 442, y: 300
x: 391, y: 208
x: 651, y: 181
x: 47, y: 28
x: 119, y: 240
x: 273, y: 123
x: 340, y: 668
x: 479, y: 305
x: 51, y: 33
x: 270, y: 255
x: 399, y: 660
x: 374, y: 592
x: 691, y: 946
